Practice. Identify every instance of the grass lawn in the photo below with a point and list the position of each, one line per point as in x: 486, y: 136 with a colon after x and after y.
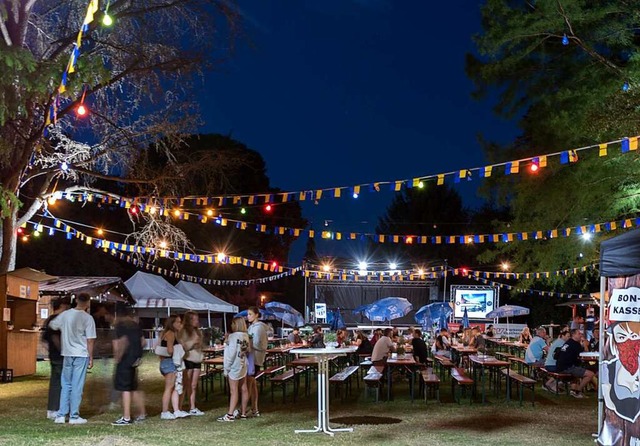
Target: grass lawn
x: 554, y: 420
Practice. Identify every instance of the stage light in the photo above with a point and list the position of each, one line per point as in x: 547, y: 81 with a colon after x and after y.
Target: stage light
x: 505, y: 266
x: 221, y: 256
x: 421, y: 272
x: 393, y: 265
x: 326, y: 268
x: 362, y: 266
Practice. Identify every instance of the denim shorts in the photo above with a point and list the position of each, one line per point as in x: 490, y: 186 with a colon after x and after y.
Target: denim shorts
x: 167, y: 366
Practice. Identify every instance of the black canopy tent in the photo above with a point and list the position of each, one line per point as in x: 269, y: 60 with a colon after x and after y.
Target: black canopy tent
x: 619, y: 257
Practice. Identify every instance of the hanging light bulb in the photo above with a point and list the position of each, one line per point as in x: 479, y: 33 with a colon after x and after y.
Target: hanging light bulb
x: 106, y: 19
x: 565, y: 40
x: 243, y: 211
x: 81, y: 110
x: 625, y: 87
x: 64, y: 166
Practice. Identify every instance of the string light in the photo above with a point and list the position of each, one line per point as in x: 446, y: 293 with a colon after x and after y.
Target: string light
x: 625, y: 87
x: 64, y: 166
x: 268, y: 208
x: 565, y: 40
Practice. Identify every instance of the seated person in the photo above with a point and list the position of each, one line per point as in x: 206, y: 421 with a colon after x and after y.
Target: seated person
x: 382, y: 349
x: 569, y: 362
x: 443, y: 344
x: 594, y: 343
x: 341, y: 337
x: 420, y: 351
x: 377, y: 334
x: 294, y: 336
x: 364, y: 345
x: 537, y: 348
x: 317, y: 338
x: 550, y: 362
x: 525, y: 336
x: 477, y: 340
x: 490, y: 332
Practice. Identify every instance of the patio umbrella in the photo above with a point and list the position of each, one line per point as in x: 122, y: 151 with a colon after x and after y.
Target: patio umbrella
x: 292, y: 319
x: 388, y: 309
x: 507, y: 311
x: 465, y: 319
x: 432, y: 313
x: 336, y: 320
x: 264, y: 314
x: 274, y: 305
x: 360, y: 309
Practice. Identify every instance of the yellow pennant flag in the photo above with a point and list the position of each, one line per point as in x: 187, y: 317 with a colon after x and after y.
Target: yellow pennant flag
x: 515, y: 167
x: 337, y: 192
x: 440, y: 181
x: 633, y: 143
x: 603, y: 150
x: 487, y: 171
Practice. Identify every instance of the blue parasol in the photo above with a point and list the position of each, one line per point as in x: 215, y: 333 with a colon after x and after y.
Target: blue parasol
x: 432, y: 313
x: 292, y: 319
x: 465, y: 319
x: 275, y: 306
x: 264, y: 314
x: 360, y: 309
x: 507, y: 311
x: 388, y: 309
x: 335, y: 319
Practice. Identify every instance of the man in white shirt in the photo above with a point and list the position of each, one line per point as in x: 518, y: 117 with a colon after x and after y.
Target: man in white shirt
x: 78, y: 334
x: 383, y: 346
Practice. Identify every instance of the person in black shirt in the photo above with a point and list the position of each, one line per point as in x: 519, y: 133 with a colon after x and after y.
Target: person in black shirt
x: 569, y: 361
x: 52, y: 338
x: 420, y: 351
x: 363, y: 343
x: 127, y: 353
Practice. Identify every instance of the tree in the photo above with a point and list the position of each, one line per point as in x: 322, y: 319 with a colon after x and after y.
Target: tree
x: 134, y: 78
x: 561, y: 66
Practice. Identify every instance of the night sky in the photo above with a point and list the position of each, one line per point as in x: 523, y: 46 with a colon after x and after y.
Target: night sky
x: 342, y: 92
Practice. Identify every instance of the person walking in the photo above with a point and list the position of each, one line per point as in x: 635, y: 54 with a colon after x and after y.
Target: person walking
x: 78, y: 334
x: 52, y: 338
x: 127, y: 353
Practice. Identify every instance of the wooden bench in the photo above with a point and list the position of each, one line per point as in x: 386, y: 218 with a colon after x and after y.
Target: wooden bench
x: 565, y: 378
x: 523, y: 365
x: 444, y: 363
x: 430, y: 381
x: 522, y: 381
x: 374, y: 380
x: 281, y: 380
x: 262, y: 375
x: 344, y: 377
x: 502, y: 355
x: 460, y: 379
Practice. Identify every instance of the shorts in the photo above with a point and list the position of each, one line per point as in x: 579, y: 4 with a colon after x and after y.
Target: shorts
x: 252, y: 368
x: 167, y: 366
x: 551, y: 368
x: 188, y: 365
x: 576, y: 371
x: 125, y: 378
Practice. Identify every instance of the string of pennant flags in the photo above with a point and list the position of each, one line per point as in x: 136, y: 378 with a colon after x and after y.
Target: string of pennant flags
x: 504, y: 237
x: 627, y: 144
x: 51, y: 116
x: 529, y: 291
x: 123, y: 252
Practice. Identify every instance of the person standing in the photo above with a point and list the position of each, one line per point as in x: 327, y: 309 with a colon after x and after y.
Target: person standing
x: 78, y: 335
x: 127, y: 353
x: 52, y: 338
x: 235, y: 368
x: 259, y: 340
x: 191, y: 339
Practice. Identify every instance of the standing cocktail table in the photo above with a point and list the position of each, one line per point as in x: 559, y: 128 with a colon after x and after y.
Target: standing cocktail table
x: 323, y: 355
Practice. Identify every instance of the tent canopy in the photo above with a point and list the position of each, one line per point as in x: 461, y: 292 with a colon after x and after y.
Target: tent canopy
x: 620, y: 256
x: 199, y: 293
x: 151, y: 291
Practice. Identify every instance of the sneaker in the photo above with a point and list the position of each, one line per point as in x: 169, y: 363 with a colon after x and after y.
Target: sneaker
x: 243, y: 417
x: 256, y: 413
x: 236, y: 413
x: 77, y: 420
x: 122, y: 421
x: 167, y: 416
x: 575, y: 394
x: 59, y: 420
x: 139, y: 418
x: 181, y: 414
x: 196, y: 412
x: 226, y: 417
x: 52, y: 414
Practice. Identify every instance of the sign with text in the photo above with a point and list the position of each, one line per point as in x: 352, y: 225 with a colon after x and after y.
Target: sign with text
x: 624, y: 305
x: 321, y: 311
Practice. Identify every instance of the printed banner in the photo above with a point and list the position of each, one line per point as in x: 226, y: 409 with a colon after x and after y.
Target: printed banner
x: 619, y: 371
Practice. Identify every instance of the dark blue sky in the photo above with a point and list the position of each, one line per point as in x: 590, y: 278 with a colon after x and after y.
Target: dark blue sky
x: 343, y: 92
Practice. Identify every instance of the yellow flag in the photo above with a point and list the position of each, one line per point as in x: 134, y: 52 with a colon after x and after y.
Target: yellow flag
x: 440, y: 181
x: 603, y: 150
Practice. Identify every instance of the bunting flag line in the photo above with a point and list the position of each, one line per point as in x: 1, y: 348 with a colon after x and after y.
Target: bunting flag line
x: 512, y: 167
x: 518, y: 276
x: 468, y: 239
x: 530, y: 291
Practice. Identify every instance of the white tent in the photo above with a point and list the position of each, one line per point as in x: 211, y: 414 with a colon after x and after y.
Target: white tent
x: 155, y: 293
x: 201, y: 294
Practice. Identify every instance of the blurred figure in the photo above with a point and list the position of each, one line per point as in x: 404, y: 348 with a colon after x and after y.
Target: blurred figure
x: 52, y: 338
x: 128, y: 342
x: 78, y: 335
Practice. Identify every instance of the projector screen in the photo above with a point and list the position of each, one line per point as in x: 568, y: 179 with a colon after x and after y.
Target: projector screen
x: 478, y: 302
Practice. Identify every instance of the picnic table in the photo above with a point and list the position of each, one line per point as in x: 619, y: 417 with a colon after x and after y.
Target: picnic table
x: 480, y: 363
x: 323, y: 355
x: 409, y: 363
x: 459, y: 351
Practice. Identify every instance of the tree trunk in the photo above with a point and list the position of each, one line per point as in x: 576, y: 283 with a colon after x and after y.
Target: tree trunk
x: 9, y: 242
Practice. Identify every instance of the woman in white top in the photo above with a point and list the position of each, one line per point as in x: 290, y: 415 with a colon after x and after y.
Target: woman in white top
x: 235, y: 367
